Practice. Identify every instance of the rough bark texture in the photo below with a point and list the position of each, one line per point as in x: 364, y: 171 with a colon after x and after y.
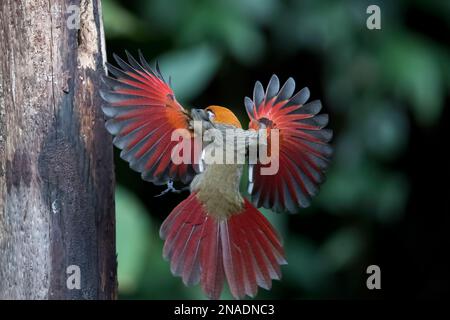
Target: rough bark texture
x: 56, y: 164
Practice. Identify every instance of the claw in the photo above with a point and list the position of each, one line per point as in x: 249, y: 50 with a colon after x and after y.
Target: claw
x: 171, y: 188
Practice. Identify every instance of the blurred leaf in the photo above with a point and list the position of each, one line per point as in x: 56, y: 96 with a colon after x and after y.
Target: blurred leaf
x: 349, y: 148
x: 306, y: 267
x: 343, y: 247
x: 365, y: 190
x: 386, y: 131
x: 132, y: 227
x: 165, y: 16
x: 392, y: 196
x: 190, y: 69
x: 411, y: 67
x: 342, y: 191
x: 158, y: 282
x: 224, y: 27
x: 245, y: 41
x: 313, y: 24
x: 257, y: 10
x: 119, y: 22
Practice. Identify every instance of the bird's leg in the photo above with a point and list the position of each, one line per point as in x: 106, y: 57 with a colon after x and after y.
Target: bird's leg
x: 171, y: 188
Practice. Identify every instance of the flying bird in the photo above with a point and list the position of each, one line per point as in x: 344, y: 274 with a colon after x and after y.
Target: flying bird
x: 216, y: 235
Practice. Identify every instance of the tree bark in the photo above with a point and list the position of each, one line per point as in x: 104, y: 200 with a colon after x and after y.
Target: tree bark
x: 56, y: 161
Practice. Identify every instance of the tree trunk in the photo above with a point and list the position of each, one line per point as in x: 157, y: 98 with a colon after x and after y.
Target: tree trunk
x: 56, y: 161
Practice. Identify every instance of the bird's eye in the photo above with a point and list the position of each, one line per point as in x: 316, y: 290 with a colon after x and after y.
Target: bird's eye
x: 211, y: 115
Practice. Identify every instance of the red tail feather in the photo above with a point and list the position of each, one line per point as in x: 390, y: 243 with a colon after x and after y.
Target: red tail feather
x: 244, y: 249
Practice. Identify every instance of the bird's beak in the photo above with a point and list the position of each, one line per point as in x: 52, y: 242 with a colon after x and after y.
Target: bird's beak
x: 199, y: 114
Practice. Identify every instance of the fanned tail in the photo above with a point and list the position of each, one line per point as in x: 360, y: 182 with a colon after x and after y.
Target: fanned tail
x: 243, y: 249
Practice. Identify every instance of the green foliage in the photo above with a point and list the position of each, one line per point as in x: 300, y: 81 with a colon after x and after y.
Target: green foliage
x: 377, y: 85
x: 414, y: 70
x: 119, y: 22
x: 132, y: 228
x: 199, y: 63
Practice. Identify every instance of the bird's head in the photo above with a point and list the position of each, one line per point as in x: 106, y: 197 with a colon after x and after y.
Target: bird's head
x: 222, y: 115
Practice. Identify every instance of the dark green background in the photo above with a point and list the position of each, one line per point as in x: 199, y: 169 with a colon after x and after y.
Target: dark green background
x: 386, y: 199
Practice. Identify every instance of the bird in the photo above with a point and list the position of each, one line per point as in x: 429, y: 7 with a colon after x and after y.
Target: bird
x: 217, y: 236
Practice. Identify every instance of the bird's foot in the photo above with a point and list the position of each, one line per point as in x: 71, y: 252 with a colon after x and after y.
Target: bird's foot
x: 171, y: 188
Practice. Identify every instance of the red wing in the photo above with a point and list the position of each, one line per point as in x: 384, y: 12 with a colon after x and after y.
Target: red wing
x: 303, y: 146
x: 143, y: 114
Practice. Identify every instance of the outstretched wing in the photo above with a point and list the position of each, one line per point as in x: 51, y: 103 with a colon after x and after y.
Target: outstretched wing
x: 143, y: 114
x: 303, y: 146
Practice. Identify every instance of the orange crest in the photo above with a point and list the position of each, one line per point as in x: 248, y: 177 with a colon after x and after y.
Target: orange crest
x: 224, y: 115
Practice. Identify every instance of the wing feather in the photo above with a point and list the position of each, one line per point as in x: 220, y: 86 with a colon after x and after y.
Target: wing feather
x: 143, y: 113
x: 304, y: 151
